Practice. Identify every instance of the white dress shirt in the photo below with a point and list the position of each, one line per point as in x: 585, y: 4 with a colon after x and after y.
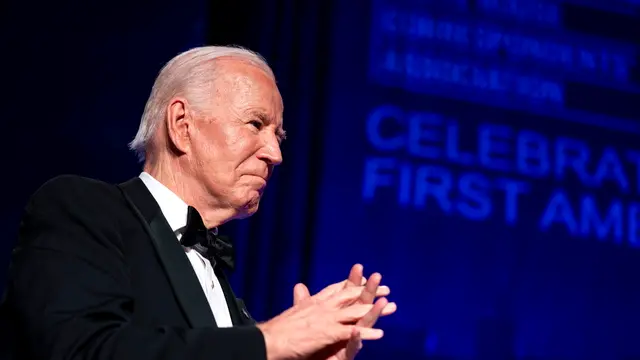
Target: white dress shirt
x: 175, y: 211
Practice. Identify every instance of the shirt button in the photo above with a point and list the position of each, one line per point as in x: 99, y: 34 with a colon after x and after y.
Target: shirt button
x: 212, y: 284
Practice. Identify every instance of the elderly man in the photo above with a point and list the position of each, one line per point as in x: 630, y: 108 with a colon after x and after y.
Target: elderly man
x: 137, y: 271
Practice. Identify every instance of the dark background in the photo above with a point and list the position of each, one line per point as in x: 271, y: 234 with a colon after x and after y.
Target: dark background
x: 76, y: 75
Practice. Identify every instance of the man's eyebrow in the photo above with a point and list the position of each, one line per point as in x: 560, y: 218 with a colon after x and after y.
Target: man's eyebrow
x: 262, y: 116
x: 281, y: 134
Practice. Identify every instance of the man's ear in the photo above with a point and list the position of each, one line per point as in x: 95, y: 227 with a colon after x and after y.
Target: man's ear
x: 178, y: 122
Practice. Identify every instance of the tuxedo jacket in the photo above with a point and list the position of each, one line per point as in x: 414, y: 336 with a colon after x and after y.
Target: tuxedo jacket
x: 98, y: 274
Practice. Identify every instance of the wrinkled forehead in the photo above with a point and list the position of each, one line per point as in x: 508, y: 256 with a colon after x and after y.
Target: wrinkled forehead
x: 248, y: 87
x: 241, y: 90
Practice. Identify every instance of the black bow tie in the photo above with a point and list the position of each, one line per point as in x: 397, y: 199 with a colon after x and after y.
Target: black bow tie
x: 218, y: 249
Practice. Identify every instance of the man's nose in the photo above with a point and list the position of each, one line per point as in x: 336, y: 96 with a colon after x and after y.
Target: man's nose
x: 270, y: 153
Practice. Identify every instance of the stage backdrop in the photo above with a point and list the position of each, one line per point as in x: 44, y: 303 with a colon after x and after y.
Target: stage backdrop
x: 484, y: 156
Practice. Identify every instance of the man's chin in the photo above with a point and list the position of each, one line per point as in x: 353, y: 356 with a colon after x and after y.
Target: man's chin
x: 249, y: 208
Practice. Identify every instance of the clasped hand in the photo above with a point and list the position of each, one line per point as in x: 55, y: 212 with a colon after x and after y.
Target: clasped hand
x: 331, y: 324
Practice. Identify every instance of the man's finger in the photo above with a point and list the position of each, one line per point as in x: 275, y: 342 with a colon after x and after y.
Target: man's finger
x: 353, y: 345
x: 370, y: 334
x: 353, y: 313
x: 389, y: 309
x: 345, y: 297
x: 330, y: 290
x: 333, y: 289
x: 371, y: 317
x: 350, y: 295
x: 355, y: 276
x: 300, y: 292
x: 344, y: 333
x: 365, y: 314
x: 383, y: 291
x: 371, y: 289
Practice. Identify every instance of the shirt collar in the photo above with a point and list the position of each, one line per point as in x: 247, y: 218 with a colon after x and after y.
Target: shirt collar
x: 173, y: 208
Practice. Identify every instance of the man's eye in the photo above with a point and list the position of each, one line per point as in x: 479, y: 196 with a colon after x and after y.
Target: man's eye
x: 256, y: 123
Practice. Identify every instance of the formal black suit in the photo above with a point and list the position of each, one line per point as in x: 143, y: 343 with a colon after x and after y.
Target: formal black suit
x: 98, y: 274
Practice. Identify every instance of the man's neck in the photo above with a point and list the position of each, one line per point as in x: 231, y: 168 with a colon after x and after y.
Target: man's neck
x: 191, y: 192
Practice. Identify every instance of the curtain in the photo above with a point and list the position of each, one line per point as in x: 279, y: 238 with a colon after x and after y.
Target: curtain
x: 274, y: 246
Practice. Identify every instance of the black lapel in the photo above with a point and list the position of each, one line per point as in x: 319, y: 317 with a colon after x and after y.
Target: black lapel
x: 246, y: 317
x: 183, y: 279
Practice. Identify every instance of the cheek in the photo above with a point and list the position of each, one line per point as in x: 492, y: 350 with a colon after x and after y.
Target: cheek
x: 225, y: 155
x: 211, y: 148
x: 243, y: 146
x: 205, y: 153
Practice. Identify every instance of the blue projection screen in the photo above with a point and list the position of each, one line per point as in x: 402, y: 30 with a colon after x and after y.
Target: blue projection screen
x: 485, y: 157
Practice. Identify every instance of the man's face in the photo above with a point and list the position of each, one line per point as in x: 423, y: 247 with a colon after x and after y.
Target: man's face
x: 236, y: 143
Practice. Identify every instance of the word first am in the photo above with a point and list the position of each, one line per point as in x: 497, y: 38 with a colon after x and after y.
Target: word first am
x: 479, y: 196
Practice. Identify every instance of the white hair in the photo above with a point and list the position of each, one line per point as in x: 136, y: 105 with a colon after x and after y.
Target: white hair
x: 190, y: 74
